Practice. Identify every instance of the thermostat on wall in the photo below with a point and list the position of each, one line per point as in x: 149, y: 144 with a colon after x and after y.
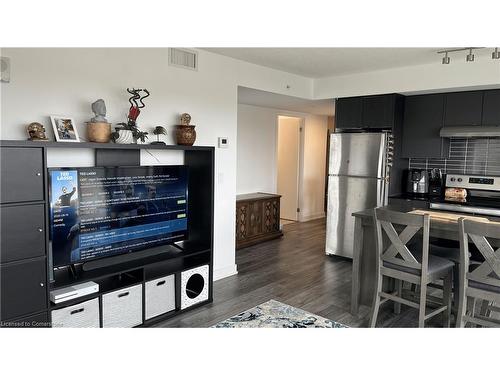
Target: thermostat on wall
x: 223, y: 142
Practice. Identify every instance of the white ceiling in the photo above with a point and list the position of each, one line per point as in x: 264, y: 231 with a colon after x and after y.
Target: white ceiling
x: 325, y: 62
x: 285, y: 102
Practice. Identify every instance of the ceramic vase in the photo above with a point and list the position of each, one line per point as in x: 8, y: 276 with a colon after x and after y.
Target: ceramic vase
x: 185, y: 134
x: 125, y: 137
x: 99, y: 132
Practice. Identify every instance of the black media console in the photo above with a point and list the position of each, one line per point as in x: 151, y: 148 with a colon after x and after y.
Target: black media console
x: 136, y: 289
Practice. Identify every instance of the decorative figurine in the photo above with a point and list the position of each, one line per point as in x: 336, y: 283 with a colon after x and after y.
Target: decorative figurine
x: 185, y: 134
x: 159, y: 130
x: 129, y: 132
x: 36, y: 132
x: 98, y: 128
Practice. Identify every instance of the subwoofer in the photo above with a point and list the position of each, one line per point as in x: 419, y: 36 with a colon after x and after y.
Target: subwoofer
x: 194, y: 286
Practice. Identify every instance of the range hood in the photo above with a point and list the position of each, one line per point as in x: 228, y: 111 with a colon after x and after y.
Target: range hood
x: 472, y: 131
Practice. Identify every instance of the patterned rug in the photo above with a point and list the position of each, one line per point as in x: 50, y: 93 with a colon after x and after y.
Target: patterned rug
x: 274, y: 314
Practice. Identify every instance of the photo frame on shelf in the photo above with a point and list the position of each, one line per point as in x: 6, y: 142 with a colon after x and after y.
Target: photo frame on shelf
x: 64, y: 128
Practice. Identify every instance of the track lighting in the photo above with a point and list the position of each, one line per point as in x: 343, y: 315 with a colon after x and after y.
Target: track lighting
x: 446, y: 59
x: 496, y: 54
x: 470, y: 56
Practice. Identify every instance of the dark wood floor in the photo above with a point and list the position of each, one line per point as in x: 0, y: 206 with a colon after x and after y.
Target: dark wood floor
x: 292, y: 270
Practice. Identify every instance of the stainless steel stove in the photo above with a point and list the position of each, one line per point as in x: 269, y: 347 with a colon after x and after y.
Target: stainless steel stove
x: 483, y: 195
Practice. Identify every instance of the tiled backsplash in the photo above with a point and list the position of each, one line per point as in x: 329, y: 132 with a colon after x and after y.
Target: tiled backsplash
x: 480, y: 156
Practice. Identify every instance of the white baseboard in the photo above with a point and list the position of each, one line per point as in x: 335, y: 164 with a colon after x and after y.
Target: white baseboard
x: 225, y: 272
x: 312, y: 217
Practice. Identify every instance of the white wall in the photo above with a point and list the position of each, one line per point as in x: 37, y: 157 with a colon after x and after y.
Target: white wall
x: 456, y: 76
x: 257, y: 155
x: 65, y: 81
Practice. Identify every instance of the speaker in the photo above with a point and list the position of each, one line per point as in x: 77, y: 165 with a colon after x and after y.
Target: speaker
x: 194, y: 286
x: 4, y: 69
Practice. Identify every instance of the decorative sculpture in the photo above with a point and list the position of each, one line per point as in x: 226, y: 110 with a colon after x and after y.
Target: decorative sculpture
x: 185, y: 134
x: 36, y: 132
x: 159, y: 130
x: 121, y: 135
x: 98, y: 128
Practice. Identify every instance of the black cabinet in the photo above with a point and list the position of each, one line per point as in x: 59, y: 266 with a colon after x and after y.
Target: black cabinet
x: 491, y: 107
x: 378, y: 111
x: 348, y: 113
x: 423, y: 119
x: 374, y: 112
x: 32, y: 321
x: 23, y: 289
x: 463, y: 108
x: 22, y: 232
x: 22, y: 174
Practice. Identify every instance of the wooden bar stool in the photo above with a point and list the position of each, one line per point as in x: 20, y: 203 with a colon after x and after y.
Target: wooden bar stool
x: 415, y: 266
x: 479, y: 282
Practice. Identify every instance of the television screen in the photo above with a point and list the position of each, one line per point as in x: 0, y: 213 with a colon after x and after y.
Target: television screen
x: 100, y: 212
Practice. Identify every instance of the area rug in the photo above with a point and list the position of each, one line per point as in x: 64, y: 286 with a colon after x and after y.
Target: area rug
x: 274, y: 314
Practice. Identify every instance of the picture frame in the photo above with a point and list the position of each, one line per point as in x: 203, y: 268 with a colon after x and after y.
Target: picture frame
x: 64, y: 128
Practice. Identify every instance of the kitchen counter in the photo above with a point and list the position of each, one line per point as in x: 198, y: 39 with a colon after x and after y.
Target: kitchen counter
x: 364, y: 271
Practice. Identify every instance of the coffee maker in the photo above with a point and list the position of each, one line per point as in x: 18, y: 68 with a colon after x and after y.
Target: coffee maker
x: 418, y: 181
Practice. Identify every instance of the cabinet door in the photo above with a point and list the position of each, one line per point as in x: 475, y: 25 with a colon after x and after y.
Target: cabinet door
x: 241, y: 221
x: 33, y: 321
x: 271, y: 215
x: 254, y: 218
x: 423, y: 118
x: 463, y: 108
x: 491, y: 107
x: 348, y: 113
x: 23, y: 288
x: 378, y: 111
x: 22, y: 174
x: 22, y: 232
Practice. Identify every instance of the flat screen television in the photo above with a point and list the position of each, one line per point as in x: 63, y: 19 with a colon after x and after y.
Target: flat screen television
x: 98, y: 212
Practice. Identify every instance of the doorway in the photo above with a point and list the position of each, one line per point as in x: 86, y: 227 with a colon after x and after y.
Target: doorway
x: 288, y: 166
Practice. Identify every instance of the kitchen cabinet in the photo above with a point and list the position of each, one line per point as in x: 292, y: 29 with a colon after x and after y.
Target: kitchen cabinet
x: 491, y: 108
x: 348, y: 112
x: 463, y: 108
x: 423, y: 119
x: 378, y: 111
x: 368, y: 112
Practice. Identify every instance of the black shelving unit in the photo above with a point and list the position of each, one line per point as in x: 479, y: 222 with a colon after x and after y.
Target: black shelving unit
x: 26, y: 188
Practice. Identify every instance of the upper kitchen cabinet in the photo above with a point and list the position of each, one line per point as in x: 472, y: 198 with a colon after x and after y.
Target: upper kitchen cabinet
x: 423, y: 118
x: 463, y: 108
x: 348, y: 113
x: 375, y: 112
x: 378, y: 111
x: 491, y: 108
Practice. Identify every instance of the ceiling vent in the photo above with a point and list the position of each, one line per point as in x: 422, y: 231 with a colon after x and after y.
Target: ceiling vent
x: 183, y: 58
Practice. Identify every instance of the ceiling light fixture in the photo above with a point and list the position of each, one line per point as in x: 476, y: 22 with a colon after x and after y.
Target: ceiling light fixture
x: 446, y: 59
x: 496, y: 54
x: 470, y: 56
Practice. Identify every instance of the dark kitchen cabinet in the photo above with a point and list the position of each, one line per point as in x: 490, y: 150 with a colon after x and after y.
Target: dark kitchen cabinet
x: 463, y: 108
x: 23, y: 290
x: 423, y: 119
x: 491, y: 108
x: 348, y: 113
x: 378, y: 111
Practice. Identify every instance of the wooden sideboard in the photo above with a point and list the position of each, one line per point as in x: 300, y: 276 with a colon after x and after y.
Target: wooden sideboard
x: 257, y: 218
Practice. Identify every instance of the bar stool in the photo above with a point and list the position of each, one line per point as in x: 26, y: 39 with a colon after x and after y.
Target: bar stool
x: 416, y: 266
x: 482, y: 281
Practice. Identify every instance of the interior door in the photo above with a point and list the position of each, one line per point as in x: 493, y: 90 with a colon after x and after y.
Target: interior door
x: 288, y: 165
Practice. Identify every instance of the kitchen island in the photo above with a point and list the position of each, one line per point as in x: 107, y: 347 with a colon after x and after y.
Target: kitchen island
x: 364, y: 252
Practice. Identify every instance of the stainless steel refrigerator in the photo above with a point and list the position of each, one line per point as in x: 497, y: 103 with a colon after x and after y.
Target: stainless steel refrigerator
x: 358, y: 179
